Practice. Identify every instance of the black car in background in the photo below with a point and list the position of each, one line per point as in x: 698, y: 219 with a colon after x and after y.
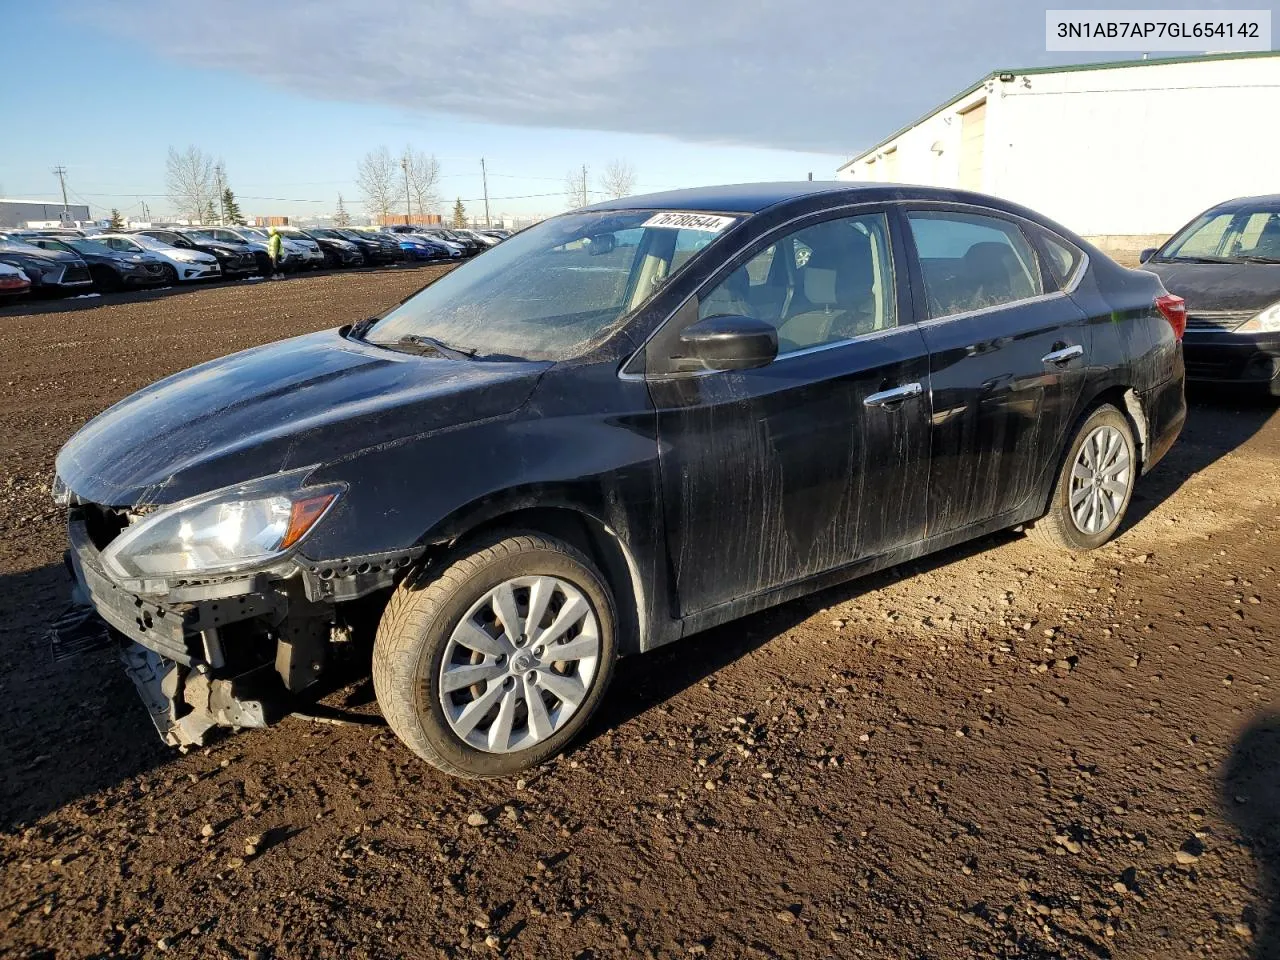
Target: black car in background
x: 338, y: 251
x: 1226, y: 265
x: 235, y: 261
x: 110, y: 269
x: 50, y: 271
x: 626, y: 424
x: 371, y: 252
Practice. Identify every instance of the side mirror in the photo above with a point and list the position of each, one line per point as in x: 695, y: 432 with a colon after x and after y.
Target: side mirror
x: 1146, y: 254
x: 731, y: 342
x: 601, y: 244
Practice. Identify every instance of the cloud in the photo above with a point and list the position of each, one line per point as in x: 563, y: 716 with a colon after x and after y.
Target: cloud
x: 823, y: 75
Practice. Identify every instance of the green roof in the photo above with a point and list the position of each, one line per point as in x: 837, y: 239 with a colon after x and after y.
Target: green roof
x: 1066, y: 68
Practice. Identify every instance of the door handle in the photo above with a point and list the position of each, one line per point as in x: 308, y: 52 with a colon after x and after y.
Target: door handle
x: 1063, y: 355
x: 886, y: 397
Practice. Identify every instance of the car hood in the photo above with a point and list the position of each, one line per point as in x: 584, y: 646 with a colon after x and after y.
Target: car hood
x: 1221, y: 286
x: 310, y: 400
x: 38, y: 253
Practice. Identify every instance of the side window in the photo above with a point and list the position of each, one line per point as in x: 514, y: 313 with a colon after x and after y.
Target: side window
x: 971, y: 262
x: 1064, y: 257
x: 822, y: 284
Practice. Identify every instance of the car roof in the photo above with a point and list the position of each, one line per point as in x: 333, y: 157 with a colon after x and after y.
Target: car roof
x: 755, y: 197
x: 1266, y: 201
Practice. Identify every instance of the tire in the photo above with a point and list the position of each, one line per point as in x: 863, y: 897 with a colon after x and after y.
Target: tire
x: 170, y: 275
x: 1098, y: 515
x: 425, y: 633
x: 105, y: 279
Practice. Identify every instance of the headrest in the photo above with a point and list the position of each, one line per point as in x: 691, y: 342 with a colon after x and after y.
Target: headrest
x: 819, y: 285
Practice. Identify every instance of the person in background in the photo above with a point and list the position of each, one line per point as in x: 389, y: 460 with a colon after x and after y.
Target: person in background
x: 273, y: 251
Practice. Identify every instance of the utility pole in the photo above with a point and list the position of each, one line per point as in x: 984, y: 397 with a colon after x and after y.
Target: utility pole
x: 61, y: 171
x: 222, y: 207
x: 484, y: 177
x: 585, y: 200
x: 408, y: 210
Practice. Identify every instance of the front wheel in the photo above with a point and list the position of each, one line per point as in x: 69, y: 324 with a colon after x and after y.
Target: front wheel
x: 1095, y: 485
x: 496, y: 663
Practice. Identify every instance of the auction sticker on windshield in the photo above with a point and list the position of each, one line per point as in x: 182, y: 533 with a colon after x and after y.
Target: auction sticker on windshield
x: 676, y: 220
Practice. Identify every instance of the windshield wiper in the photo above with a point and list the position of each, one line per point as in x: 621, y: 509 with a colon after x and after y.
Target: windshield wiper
x: 1256, y: 259
x: 416, y: 342
x: 1195, y: 259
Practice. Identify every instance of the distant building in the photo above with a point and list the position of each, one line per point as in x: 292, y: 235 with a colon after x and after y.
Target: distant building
x: 270, y: 221
x: 1123, y: 153
x: 424, y: 219
x: 15, y: 214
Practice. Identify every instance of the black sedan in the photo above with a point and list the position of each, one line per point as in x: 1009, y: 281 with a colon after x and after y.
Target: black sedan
x: 338, y: 251
x: 50, y: 271
x: 620, y: 427
x: 111, y: 269
x: 1226, y: 265
x: 234, y: 261
x: 371, y: 251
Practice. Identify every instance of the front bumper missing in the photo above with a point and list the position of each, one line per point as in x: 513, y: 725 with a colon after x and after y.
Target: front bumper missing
x: 169, y: 650
x: 185, y: 704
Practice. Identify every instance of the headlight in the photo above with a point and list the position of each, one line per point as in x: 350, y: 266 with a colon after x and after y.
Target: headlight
x: 245, y: 527
x: 1268, y: 321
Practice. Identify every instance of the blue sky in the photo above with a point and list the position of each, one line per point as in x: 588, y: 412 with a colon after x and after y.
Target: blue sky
x: 290, y: 95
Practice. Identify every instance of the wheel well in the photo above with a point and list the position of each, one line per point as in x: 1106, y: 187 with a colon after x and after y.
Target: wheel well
x: 598, y: 542
x: 1125, y: 399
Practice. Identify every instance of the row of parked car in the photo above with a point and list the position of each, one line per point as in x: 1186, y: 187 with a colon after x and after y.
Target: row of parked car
x: 80, y: 261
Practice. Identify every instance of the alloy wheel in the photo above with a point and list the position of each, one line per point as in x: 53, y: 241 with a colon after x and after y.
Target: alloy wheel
x: 1100, y: 479
x: 519, y: 664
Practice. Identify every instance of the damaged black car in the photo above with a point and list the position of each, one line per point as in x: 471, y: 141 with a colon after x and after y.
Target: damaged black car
x: 620, y: 427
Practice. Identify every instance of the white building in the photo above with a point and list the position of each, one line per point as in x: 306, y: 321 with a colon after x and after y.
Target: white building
x: 1123, y: 153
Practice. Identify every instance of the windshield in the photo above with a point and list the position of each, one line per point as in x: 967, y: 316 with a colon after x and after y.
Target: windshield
x: 1230, y: 236
x: 88, y: 246
x: 557, y: 289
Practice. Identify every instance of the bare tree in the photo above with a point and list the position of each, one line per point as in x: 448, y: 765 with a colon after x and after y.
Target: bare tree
x: 618, y: 179
x: 377, y: 175
x: 189, y: 177
x: 575, y: 188
x: 424, y: 175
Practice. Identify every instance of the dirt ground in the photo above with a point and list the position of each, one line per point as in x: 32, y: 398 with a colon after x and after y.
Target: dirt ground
x: 996, y: 751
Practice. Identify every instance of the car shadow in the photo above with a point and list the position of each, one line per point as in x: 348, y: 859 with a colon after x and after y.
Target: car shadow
x: 1250, y: 798
x: 1217, y: 423
x: 645, y: 681
x: 69, y: 729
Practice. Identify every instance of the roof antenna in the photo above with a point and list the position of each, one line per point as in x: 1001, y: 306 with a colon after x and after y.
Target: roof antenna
x: 810, y: 176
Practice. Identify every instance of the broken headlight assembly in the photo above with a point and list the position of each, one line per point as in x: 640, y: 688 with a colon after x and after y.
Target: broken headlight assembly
x: 1268, y: 321
x: 243, y: 528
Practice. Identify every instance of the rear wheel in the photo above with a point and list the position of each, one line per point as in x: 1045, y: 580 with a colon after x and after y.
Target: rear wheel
x: 1095, y: 486
x: 498, y: 662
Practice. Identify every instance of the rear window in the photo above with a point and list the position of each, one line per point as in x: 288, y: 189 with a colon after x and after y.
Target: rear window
x: 972, y: 262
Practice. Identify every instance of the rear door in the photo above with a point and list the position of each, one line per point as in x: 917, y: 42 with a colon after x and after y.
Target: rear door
x: 816, y: 460
x: 1008, y: 355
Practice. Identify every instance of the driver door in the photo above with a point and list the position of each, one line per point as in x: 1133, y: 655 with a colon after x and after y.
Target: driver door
x: 818, y: 459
